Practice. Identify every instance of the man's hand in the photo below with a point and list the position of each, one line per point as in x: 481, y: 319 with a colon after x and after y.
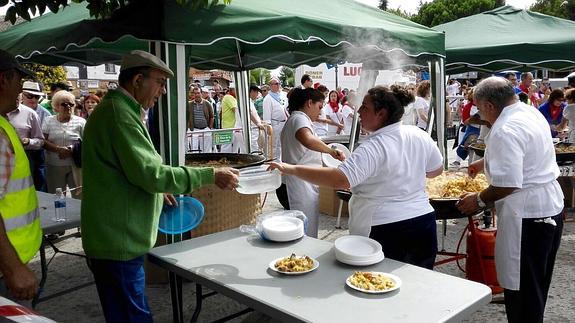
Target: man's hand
x: 21, y: 282
x: 170, y: 200
x: 226, y: 178
x: 64, y: 152
x: 475, y: 168
x: 25, y: 141
x: 467, y: 204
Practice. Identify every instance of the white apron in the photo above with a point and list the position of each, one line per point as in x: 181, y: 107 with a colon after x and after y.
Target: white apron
x: 304, y: 196
x: 360, y: 211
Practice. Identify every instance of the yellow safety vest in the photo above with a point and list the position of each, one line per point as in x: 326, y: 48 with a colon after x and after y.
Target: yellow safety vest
x: 19, y: 207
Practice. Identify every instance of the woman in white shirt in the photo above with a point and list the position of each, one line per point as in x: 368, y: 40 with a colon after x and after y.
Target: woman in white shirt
x: 332, y: 110
x: 61, y: 132
x: 301, y: 146
x: 421, y: 104
x: 387, y: 175
x: 569, y: 114
x: 347, y: 112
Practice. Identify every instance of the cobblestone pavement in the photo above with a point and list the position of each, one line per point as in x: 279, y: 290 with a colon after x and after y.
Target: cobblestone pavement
x: 83, y: 305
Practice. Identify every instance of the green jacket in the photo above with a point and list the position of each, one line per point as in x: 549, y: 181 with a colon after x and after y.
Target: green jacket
x: 123, y: 181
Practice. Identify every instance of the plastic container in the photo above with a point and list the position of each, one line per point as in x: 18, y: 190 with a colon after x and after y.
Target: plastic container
x: 60, y: 206
x: 184, y: 217
x: 285, y: 225
x: 255, y: 180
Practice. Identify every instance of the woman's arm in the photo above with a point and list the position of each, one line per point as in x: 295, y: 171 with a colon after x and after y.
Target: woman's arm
x: 63, y: 152
x: 312, y: 142
x: 322, y: 176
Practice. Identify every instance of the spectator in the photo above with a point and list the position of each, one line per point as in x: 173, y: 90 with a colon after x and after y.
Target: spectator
x: 61, y: 132
x: 275, y: 113
x: 306, y: 81
x: 54, y: 88
x: 552, y: 110
x: 421, y: 104
x: 526, y: 86
x: 231, y: 119
x: 201, y: 118
x: 569, y: 114
x: 512, y: 78
x: 90, y: 103
x: 332, y: 112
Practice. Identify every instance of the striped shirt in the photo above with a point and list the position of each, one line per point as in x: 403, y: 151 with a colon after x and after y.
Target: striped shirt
x: 7, y: 162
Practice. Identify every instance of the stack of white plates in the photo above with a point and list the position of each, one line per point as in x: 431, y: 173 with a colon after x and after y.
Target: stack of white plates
x: 282, y: 228
x: 358, y: 250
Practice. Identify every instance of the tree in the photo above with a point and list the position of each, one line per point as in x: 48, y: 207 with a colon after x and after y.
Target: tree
x: 98, y: 8
x: 382, y: 5
x: 442, y: 11
x: 287, y: 76
x: 47, y: 75
x: 260, y: 76
x: 557, y: 8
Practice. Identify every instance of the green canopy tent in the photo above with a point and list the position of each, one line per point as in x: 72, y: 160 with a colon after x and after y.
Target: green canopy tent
x: 243, y: 35
x: 508, y: 38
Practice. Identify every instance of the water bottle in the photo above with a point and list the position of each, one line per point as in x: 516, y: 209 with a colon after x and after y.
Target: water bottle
x: 60, y: 206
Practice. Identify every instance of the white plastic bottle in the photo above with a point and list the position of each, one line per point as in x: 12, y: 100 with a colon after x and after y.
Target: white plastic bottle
x: 60, y: 206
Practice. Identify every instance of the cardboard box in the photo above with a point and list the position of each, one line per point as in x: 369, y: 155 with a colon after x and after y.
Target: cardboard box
x: 329, y: 202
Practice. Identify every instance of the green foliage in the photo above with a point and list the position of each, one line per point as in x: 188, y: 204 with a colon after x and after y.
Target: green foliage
x: 287, y: 76
x: 401, y: 13
x: 557, y: 8
x: 47, y: 75
x: 439, y: 12
x: 98, y: 8
x: 260, y: 76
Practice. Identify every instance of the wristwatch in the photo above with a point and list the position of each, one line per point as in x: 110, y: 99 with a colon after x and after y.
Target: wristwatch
x: 480, y: 202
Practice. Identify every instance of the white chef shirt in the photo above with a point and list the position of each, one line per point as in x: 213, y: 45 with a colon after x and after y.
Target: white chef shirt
x: 520, y: 153
x: 274, y: 111
x: 293, y: 152
x: 389, y: 169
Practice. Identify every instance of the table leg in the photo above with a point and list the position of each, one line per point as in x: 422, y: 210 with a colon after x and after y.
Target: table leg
x: 176, y: 293
x: 199, y: 298
x: 44, y: 269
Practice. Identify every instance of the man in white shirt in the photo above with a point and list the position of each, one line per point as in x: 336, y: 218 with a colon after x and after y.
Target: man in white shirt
x: 521, y: 169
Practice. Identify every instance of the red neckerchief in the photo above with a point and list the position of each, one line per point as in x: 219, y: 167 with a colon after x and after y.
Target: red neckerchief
x: 554, y: 111
x: 334, y: 106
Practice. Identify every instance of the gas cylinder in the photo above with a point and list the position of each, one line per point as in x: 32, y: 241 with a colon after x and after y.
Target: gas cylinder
x: 480, y: 262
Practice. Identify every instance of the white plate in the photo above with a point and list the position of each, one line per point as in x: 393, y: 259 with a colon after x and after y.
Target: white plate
x: 367, y: 262
x: 284, y: 237
x: 332, y: 162
x: 392, y: 277
x: 282, y: 224
x: 357, y: 247
x: 273, y: 267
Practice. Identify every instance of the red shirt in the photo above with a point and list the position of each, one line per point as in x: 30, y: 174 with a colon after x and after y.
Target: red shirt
x: 466, y: 111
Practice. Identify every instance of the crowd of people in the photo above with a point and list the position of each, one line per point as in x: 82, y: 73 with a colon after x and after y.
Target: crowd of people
x: 386, y: 173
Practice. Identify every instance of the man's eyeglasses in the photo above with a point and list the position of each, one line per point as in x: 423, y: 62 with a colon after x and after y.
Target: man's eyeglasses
x: 31, y: 96
x: 161, y: 81
x: 274, y: 84
x: 67, y: 105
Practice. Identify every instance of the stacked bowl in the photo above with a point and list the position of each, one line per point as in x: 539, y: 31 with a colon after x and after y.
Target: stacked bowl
x: 282, y: 228
x: 358, y: 250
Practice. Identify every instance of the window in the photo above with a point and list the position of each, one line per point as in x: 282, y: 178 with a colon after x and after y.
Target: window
x: 110, y: 68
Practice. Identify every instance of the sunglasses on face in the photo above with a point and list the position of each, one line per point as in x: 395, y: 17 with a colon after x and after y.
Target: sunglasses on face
x: 31, y: 96
x: 67, y: 105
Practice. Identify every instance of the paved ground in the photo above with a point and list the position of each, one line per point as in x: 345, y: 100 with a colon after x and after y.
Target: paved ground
x: 83, y: 305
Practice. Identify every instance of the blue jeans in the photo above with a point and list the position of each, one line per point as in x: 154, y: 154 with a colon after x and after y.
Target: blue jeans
x: 413, y: 241
x: 121, y: 287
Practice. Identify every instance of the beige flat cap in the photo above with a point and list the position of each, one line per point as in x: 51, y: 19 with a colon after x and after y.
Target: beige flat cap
x: 139, y: 58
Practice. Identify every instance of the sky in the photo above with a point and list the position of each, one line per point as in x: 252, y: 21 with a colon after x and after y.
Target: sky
x: 411, y: 5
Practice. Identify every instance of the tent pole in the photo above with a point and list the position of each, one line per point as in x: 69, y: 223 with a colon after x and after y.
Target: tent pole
x: 245, y: 108
x: 437, y: 75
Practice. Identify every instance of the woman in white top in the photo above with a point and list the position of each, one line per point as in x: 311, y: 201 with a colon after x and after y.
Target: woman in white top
x: 569, y: 114
x: 301, y: 146
x: 421, y: 104
x: 320, y: 125
x: 387, y: 175
x: 61, y: 132
x: 332, y: 110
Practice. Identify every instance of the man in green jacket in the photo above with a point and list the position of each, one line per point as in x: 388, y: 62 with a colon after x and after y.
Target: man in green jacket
x: 124, y: 185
